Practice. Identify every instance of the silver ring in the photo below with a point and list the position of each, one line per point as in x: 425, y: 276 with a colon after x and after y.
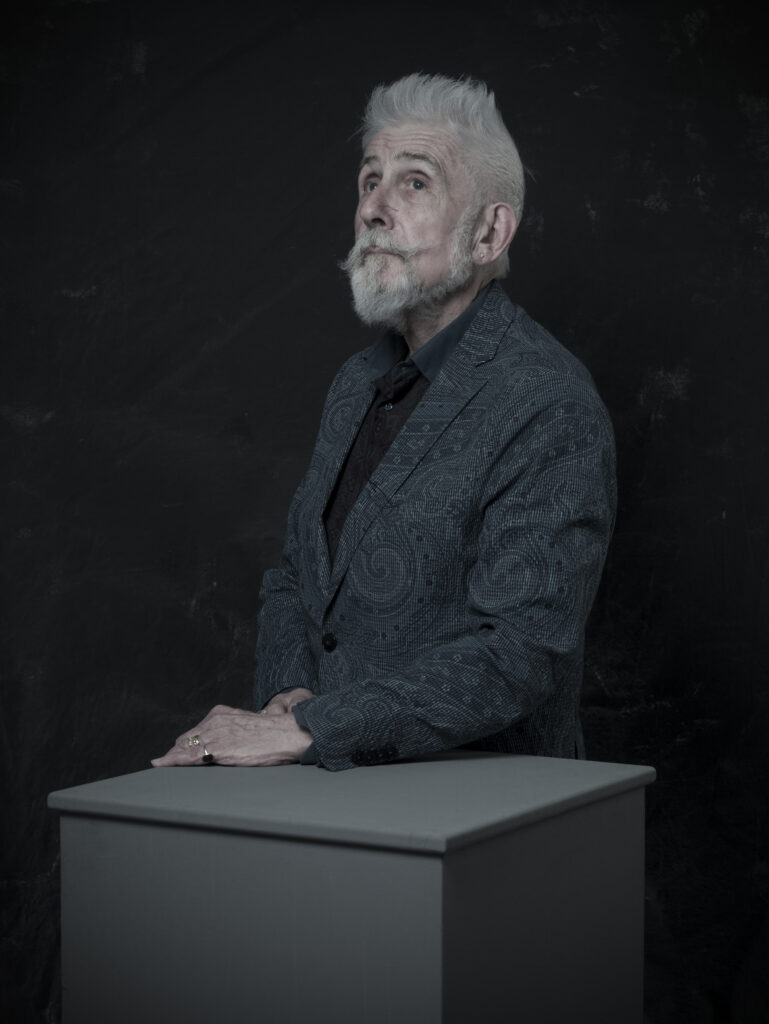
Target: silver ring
x: 193, y: 741
x: 207, y: 758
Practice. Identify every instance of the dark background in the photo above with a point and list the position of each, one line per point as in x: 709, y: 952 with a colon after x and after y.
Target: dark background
x: 176, y: 186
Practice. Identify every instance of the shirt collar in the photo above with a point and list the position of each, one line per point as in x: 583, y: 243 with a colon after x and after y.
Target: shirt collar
x: 429, y: 359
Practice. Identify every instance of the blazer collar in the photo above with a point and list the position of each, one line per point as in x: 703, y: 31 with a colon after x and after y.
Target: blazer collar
x: 482, y: 338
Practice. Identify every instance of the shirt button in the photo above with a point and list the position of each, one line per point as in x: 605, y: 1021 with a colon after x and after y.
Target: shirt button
x: 329, y: 642
x: 388, y: 406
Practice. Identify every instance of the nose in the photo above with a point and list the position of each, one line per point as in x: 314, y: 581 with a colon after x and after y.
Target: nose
x: 374, y: 209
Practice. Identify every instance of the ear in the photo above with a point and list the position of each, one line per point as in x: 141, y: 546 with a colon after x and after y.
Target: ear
x: 495, y: 232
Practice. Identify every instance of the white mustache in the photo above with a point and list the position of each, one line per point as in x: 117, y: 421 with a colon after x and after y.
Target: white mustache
x: 381, y: 241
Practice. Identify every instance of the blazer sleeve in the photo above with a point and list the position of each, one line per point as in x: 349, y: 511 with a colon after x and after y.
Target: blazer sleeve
x: 283, y: 657
x: 546, y: 514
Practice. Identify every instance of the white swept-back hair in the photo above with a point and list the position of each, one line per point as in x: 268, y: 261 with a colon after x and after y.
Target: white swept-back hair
x: 467, y: 108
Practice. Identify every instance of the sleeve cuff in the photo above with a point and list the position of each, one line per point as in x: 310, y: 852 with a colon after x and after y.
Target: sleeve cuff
x: 310, y: 756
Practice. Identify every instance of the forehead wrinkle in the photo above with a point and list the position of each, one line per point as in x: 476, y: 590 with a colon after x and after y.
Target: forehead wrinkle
x: 427, y: 158
x: 407, y: 156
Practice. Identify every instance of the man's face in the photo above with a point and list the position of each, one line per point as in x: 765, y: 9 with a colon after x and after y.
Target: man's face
x: 413, y: 223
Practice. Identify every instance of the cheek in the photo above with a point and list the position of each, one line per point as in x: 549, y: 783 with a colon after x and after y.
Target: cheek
x: 434, y: 236
x: 436, y: 246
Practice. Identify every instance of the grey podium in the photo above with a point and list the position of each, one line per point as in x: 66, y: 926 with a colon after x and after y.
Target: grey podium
x: 463, y: 888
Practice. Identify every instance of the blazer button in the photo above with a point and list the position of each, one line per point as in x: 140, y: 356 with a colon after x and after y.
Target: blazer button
x: 329, y: 642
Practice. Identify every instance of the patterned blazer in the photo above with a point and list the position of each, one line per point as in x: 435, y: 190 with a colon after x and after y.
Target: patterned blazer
x: 454, y: 613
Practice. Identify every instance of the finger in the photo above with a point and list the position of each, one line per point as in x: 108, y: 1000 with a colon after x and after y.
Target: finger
x: 273, y: 708
x: 179, y: 757
x: 182, y: 752
x: 167, y: 760
x: 190, y: 740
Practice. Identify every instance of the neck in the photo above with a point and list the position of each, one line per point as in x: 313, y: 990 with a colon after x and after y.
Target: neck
x: 420, y: 325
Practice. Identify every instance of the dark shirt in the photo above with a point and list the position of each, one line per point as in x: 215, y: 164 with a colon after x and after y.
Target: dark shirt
x: 401, y: 381
x: 399, y: 389
x: 397, y: 394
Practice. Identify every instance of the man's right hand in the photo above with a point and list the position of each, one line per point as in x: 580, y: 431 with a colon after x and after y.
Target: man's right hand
x: 283, y: 703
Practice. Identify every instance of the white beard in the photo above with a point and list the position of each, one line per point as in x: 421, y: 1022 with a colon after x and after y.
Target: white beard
x: 384, y: 298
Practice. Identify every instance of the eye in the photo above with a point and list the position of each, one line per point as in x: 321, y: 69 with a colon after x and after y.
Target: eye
x: 369, y: 186
x: 418, y: 184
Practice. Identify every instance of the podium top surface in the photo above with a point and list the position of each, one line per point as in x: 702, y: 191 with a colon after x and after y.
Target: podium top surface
x: 433, y: 805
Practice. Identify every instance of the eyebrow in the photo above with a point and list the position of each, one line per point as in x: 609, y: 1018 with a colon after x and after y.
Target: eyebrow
x: 424, y: 157
x: 406, y: 155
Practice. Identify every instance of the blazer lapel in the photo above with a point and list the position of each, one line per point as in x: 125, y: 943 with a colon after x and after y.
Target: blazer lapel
x: 459, y: 380
x: 344, y: 421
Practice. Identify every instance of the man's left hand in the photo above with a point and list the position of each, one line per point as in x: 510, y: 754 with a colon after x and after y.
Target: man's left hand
x: 237, y: 737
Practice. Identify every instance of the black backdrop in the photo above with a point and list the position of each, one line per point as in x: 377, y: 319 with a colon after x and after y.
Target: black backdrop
x: 176, y: 186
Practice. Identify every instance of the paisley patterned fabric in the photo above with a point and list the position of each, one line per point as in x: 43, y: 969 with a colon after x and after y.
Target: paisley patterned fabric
x: 455, y: 610
x: 398, y: 393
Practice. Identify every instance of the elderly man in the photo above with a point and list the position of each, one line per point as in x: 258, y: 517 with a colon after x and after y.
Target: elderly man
x: 445, y: 545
